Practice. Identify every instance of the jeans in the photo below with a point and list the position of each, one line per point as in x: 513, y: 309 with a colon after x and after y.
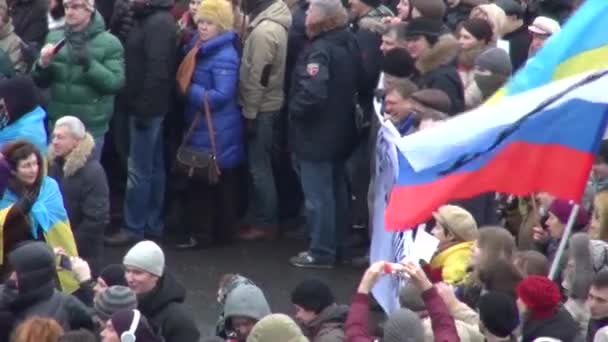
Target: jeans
x: 262, y: 210
x: 98, y: 149
x: 326, y: 203
x: 144, y: 197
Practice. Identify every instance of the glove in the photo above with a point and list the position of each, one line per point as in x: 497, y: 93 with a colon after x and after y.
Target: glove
x: 81, y: 269
x: 250, y: 128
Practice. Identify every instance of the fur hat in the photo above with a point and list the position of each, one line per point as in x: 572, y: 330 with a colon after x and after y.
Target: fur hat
x: 399, y: 63
x: 433, y: 98
x: 562, y: 209
x: 540, y: 295
x: 89, y: 5
x: 479, y: 28
x: 458, y: 221
x: 498, y: 313
x: 312, y: 295
x: 218, y: 11
x: 432, y: 9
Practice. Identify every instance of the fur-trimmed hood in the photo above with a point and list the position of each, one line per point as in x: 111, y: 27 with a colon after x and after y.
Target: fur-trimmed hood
x: 442, y: 53
x: 77, y: 159
x: 338, y: 20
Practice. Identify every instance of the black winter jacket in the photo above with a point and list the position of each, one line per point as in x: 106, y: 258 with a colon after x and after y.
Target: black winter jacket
x: 30, y: 20
x: 519, y: 43
x: 150, y: 60
x: 86, y: 196
x: 322, y: 100
x: 165, y: 311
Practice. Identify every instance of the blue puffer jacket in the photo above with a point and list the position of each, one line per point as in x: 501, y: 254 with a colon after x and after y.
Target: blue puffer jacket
x: 216, y: 74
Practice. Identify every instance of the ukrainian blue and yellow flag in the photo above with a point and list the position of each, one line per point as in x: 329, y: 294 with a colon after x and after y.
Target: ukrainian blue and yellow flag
x: 48, y: 215
x: 581, y: 46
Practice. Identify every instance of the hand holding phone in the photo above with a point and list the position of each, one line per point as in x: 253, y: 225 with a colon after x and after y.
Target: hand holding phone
x: 65, y: 262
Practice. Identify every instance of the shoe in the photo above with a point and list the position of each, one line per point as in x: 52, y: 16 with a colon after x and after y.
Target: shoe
x: 256, y: 234
x: 122, y: 238
x: 305, y: 260
x: 189, y: 243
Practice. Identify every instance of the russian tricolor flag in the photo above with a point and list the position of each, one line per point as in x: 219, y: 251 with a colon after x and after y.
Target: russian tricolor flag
x: 540, y: 140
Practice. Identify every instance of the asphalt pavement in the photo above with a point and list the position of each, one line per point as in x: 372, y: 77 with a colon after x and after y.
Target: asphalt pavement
x: 266, y: 263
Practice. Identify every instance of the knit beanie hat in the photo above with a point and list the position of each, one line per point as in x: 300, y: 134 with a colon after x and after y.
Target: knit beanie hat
x: 20, y: 96
x: 34, y: 264
x: 424, y: 27
x: 276, y: 328
x: 433, y: 98
x: 562, y: 209
x: 432, y: 9
x: 113, y: 299
x: 312, y: 295
x: 147, y: 256
x: 399, y: 63
x: 541, y: 296
x: 89, y: 5
x: 458, y: 221
x: 495, y: 60
x: 498, y: 313
x: 114, y: 274
x: 479, y: 28
x: 401, y: 321
x: 121, y: 321
x: 218, y: 11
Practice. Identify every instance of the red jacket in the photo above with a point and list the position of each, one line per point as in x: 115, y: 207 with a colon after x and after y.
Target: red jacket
x: 442, y: 322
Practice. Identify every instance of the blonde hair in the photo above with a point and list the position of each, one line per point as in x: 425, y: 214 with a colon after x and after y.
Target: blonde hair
x: 218, y: 11
x: 38, y: 329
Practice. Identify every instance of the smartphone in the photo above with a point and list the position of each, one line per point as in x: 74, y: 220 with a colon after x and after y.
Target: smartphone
x: 58, y: 46
x: 64, y: 262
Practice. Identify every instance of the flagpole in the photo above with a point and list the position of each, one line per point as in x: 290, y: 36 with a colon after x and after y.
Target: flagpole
x: 564, y: 241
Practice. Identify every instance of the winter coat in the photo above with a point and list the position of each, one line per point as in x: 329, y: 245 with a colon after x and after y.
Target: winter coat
x: 216, y: 76
x: 297, y: 41
x: 579, y: 312
x: 163, y: 307
x: 357, y: 324
x: 262, y: 72
x: 454, y: 260
x: 321, y: 107
x: 85, y: 191
x: 29, y: 20
x: 328, y: 326
x: 88, y: 95
x: 597, y: 330
x: 11, y: 44
x: 437, y: 70
x: 519, y: 44
x: 6, y: 66
x: 560, y: 326
x: 150, y: 60
x: 121, y: 21
x: 186, y: 29
x: 368, y: 32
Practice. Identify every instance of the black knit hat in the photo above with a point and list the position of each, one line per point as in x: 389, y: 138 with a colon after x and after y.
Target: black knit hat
x: 479, y: 28
x: 20, y: 97
x: 312, y: 295
x: 424, y: 27
x: 122, y: 320
x: 34, y: 263
x: 114, y: 274
x: 432, y: 9
x: 398, y: 62
x: 498, y: 313
x: 372, y: 3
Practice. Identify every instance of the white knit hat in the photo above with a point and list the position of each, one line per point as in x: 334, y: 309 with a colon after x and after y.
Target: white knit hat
x: 147, y: 256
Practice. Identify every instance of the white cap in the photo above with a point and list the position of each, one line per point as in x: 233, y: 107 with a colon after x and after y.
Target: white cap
x: 544, y: 25
x: 147, y: 256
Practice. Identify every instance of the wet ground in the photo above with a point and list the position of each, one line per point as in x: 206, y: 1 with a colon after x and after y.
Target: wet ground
x: 264, y: 262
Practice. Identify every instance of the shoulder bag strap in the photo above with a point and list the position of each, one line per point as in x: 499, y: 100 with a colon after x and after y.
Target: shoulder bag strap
x: 211, y: 131
x: 197, y: 119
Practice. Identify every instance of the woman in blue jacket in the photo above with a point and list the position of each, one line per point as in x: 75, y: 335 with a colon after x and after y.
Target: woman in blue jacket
x: 211, y: 211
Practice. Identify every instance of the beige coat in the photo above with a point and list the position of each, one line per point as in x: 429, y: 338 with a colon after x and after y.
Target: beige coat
x: 11, y: 44
x: 262, y: 72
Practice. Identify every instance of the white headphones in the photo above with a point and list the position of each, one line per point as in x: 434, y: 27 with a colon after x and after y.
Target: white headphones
x: 129, y: 335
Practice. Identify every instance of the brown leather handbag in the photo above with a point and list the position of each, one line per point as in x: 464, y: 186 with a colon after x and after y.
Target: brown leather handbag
x: 195, y: 163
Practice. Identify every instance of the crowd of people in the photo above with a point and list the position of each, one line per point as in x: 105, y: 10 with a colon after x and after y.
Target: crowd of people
x: 226, y: 120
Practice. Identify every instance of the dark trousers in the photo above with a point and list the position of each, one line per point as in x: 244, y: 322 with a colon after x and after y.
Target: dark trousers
x: 210, y: 212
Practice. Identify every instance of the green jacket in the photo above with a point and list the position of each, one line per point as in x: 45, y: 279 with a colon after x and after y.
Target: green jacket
x: 88, y: 95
